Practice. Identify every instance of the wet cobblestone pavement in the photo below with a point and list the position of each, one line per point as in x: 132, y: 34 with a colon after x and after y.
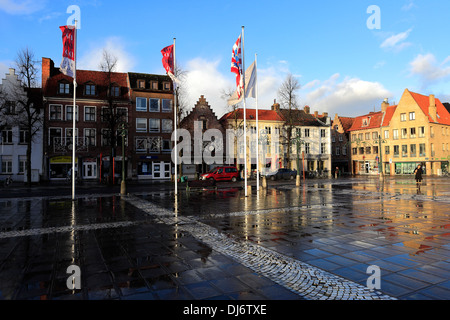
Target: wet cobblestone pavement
x: 311, y: 242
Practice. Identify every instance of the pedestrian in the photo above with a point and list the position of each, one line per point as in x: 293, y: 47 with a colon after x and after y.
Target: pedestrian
x: 418, y: 175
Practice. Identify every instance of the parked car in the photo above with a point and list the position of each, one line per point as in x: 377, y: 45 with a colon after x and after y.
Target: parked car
x: 286, y: 174
x: 221, y: 174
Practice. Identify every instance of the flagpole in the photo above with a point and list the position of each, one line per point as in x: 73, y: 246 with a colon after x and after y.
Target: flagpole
x: 74, y: 110
x: 175, y: 116
x: 245, y: 117
x: 257, y: 123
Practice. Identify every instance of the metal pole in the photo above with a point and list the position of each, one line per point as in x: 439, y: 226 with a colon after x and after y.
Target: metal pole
x: 257, y: 123
x: 74, y: 136
x: 175, y: 118
x: 245, y: 117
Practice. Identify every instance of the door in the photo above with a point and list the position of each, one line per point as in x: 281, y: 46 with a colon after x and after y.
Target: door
x: 89, y: 170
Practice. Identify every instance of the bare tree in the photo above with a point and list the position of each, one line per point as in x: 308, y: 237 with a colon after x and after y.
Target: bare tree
x: 27, y: 100
x: 181, y: 94
x: 115, y: 120
x: 289, y: 109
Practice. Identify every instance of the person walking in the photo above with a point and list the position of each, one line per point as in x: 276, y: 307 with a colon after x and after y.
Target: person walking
x: 418, y: 175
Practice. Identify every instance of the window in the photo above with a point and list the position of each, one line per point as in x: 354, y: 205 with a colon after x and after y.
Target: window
x: 396, y: 151
x: 106, y: 114
x: 307, y: 146
x: 422, y: 150
x: 89, y: 114
x: 323, y: 148
x: 166, y: 86
x: 167, y: 125
x: 307, y: 133
x: 89, y: 89
x: 375, y: 149
x: 338, y: 151
x: 166, y: 145
x: 154, y: 144
x: 421, y: 132
x: 344, y: 151
x: 367, y: 136
x: 412, y: 132
x: 154, y: 85
x: 141, y: 144
x: 64, y: 88
x: 412, y: 149
x: 333, y: 139
x: 24, y: 136
x: 404, y: 151
x: 166, y: 105
x: 6, y: 164
x: 354, y: 151
x: 115, y: 91
x: 360, y: 136
x: 353, y: 137
x: 141, y: 104
x: 141, y: 84
x: 69, y: 136
x: 122, y: 114
x: 268, y: 130
x: 374, y: 135
x: 365, y: 122
x: 9, y: 107
x: 69, y: 113
x: 89, y: 137
x: 395, y: 134
x: 55, y: 112
x: 368, y: 150
x: 154, y: 105
x: 386, y: 134
x: 141, y: 125
x: 154, y: 125
x: 361, y: 150
x: 106, y: 137
x: 54, y: 135
x: 404, y: 133
x: 403, y: 117
x: 387, y: 150
x: 7, y: 136
x: 323, y: 133
x: 22, y: 164
x: 341, y: 138
x: 412, y: 116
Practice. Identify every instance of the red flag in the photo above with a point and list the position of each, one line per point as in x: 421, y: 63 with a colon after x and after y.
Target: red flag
x: 168, y: 63
x: 68, y: 62
x: 167, y: 59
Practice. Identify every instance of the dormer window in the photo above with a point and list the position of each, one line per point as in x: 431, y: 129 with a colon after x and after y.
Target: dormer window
x: 115, y: 90
x: 89, y: 89
x: 365, y: 122
x: 166, y: 85
x: 141, y: 84
x: 154, y: 85
x: 64, y: 88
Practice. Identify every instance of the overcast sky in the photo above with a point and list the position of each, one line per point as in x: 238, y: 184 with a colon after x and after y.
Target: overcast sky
x: 346, y: 58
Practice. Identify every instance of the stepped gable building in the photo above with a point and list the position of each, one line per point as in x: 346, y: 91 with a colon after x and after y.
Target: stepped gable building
x: 197, y: 121
x: 96, y: 94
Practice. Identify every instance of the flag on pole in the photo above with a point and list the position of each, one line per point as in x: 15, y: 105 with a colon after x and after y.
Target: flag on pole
x: 68, y: 62
x: 168, y: 64
x: 250, y: 86
x: 236, y: 66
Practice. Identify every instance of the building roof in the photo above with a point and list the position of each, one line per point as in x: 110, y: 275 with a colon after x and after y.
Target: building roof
x: 99, y: 78
x: 301, y: 118
x: 368, y: 121
x: 424, y: 103
x: 390, y: 110
x: 263, y: 115
x: 147, y: 77
x: 346, y: 122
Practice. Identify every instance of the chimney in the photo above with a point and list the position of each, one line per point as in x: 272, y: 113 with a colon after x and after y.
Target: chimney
x: 325, y: 114
x: 307, y: 109
x: 47, y: 68
x: 384, y: 105
x: 275, y: 106
x: 432, y: 109
x: 316, y: 114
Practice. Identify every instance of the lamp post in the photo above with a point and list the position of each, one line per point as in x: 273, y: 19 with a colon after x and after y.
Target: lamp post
x: 380, y: 157
x: 298, y: 141
x: 123, y: 187
x: 263, y: 140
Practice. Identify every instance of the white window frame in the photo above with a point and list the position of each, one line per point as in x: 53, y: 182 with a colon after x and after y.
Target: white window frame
x: 86, y: 137
x: 67, y: 112
x: 140, y: 109
x: 150, y: 129
x: 50, y: 112
x: 95, y: 113
x: 150, y: 105
x: 165, y: 109
x: 141, y: 121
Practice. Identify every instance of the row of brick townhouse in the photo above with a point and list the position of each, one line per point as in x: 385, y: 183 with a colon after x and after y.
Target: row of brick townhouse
x: 107, y: 104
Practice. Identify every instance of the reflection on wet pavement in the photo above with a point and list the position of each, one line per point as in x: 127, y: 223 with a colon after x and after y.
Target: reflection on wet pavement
x: 341, y: 227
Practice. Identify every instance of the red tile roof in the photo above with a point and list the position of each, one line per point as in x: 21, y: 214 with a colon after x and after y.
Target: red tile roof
x: 346, y: 122
x: 388, y: 116
x: 373, y: 121
x: 263, y: 115
x: 424, y: 103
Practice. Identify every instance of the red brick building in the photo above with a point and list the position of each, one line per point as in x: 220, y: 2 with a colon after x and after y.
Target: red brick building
x: 93, y: 130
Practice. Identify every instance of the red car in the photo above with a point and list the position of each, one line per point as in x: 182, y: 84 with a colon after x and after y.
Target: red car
x: 221, y: 174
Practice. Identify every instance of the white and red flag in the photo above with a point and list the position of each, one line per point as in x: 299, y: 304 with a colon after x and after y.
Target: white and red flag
x: 236, y: 66
x: 68, y: 62
x: 168, y: 62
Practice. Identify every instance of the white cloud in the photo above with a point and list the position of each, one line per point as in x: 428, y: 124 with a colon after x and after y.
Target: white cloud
x: 427, y: 68
x: 410, y: 5
x: 114, y: 45
x: 396, y: 41
x: 347, y: 97
x: 18, y: 7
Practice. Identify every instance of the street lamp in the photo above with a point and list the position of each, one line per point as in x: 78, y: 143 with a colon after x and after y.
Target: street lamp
x: 380, y: 157
x: 298, y: 141
x: 123, y: 187
x: 263, y: 140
